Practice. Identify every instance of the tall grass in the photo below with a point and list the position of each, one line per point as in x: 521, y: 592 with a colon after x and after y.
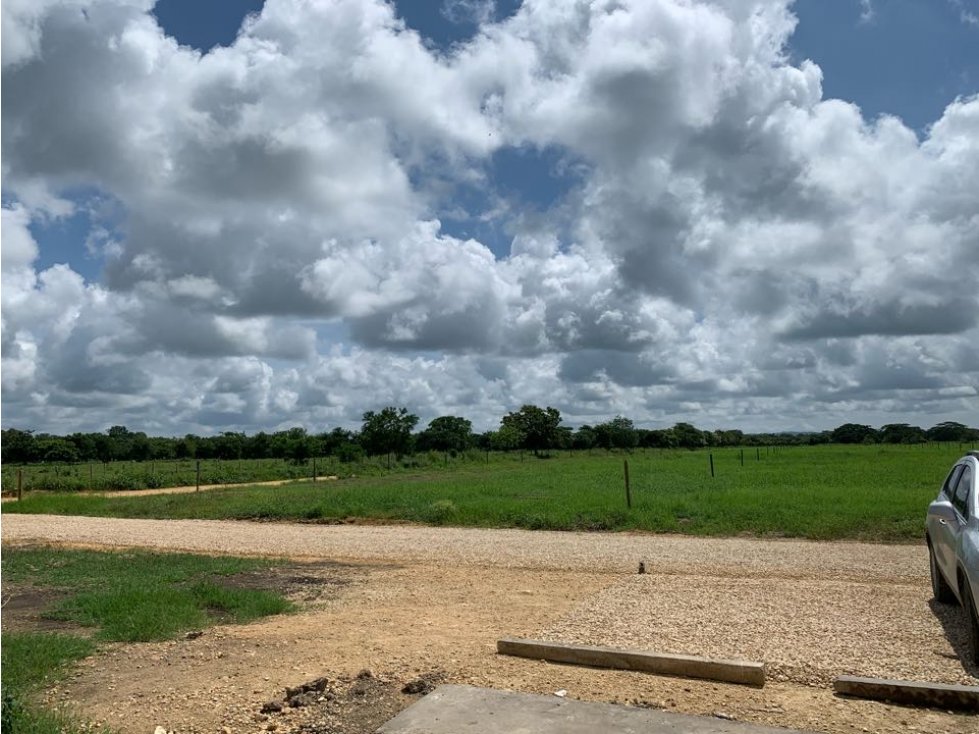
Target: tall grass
x: 821, y: 492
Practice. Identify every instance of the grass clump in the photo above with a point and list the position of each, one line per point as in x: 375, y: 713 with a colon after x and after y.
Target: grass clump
x: 29, y: 661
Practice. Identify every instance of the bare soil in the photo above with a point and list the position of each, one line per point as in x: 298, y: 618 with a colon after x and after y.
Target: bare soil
x: 402, y: 608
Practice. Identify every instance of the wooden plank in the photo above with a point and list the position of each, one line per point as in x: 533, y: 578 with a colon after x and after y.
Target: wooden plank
x: 685, y: 666
x: 917, y: 693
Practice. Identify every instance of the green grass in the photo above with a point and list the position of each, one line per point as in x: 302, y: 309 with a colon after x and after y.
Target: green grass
x: 875, y: 493
x: 131, y: 596
x: 131, y: 475
x: 30, y: 661
x: 138, y: 596
x: 123, y: 475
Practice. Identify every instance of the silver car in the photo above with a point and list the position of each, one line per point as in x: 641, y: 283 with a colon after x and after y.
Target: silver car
x: 952, y: 532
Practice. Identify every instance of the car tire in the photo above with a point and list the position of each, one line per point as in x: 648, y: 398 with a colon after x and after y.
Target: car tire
x: 972, y: 619
x: 939, y: 586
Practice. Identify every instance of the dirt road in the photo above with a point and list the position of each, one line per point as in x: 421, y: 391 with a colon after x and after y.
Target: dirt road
x: 432, y: 601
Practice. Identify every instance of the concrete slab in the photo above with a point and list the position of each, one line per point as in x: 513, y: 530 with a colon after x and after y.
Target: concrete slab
x: 471, y: 710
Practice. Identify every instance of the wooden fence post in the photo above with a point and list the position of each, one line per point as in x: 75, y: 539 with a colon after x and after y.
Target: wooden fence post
x: 628, y: 492
x: 711, y: 465
x: 198, y: 475
x: 20, y: 484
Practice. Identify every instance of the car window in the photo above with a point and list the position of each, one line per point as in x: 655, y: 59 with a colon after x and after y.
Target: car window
x: 948, y: 489
x: 962, y: 487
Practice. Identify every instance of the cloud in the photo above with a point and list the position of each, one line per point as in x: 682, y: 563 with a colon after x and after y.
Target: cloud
x: 469, y: 11
x: 968, y: 14
x: 867, y: 11
x: 726, y: 245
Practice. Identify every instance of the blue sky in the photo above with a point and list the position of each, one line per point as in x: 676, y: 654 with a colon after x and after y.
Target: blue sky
x: 648, y: 208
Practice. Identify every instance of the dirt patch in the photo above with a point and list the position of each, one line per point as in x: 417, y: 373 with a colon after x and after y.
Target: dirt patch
x: 25, y: 609
x: 303, y: 583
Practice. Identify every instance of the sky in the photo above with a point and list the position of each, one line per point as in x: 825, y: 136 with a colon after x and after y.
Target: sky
x: 247, y: 215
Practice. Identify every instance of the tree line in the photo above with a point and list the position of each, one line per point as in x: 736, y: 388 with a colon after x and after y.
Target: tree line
x: 391, y: 430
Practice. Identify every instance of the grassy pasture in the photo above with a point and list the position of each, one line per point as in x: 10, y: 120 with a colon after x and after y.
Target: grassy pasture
x: 133, y: 475
x: 877, y: 492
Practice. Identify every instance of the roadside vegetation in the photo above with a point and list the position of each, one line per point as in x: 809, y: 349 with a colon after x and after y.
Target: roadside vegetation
x: 128, y: 597
x: 866, y: 492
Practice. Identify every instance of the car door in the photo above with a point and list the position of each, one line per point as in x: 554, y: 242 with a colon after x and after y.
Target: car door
x: 960, y: 501
x: 943, y: 524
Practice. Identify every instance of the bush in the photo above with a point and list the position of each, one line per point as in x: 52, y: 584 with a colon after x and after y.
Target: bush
x: 440, y: 512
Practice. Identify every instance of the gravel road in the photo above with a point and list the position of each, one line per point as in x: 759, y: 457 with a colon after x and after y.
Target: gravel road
x: 604, y: 552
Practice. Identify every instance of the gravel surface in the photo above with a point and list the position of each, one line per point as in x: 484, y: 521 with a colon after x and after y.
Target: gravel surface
x: 806, y: 632
x: 616, y: 552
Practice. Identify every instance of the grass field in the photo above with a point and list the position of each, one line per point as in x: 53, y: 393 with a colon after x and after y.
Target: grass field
x: 132, y: 475
x: 120, y: 475
x: 821, y: 492
x: 132, y: 596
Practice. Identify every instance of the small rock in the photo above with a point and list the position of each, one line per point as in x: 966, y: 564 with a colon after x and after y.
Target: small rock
x: 303, y: 699
x: 418, y: 685
x: 160, y: 730
x: 271, y: 707
x: 642, y: 567
x: 723, y: 715
x: 365, y: 674
x: 193, y: 634
x: 561, y: 694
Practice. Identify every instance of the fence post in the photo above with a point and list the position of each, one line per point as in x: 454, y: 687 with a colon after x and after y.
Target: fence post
x: 742, y: 457
x: 198, y: 475
x: 314, y: 470
x: 711, y: 465
x: 20, y: 484
x: 628, y: 493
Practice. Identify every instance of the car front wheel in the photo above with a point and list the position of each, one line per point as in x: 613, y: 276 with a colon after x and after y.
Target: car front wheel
x: 939, y: 586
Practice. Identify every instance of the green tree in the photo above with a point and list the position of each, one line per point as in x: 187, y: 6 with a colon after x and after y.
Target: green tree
x: 537, y: 427
x: 230, y: 445
x: 388, y: 431
x: 688, y: 437
x: 18, y: 447
x: 584, y: 438
x: 120, y: 443
x: 53, y: 448
x: 507, y: 438
x: 853, y: 433
x: 294, y: 445
x: 446, y: 433
x: 950, y: 431
x: 618, y: 433
x: 901, y: 433
x: 662, y: 438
